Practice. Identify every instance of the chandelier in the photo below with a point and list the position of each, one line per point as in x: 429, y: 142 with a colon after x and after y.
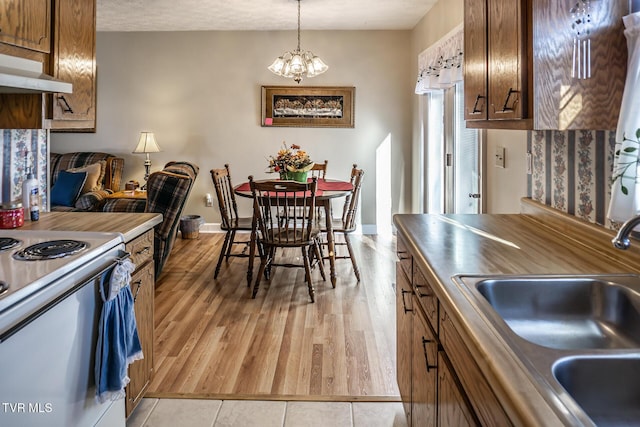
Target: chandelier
x: 294, y: 65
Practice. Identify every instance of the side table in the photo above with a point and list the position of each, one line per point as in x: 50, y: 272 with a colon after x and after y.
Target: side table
x: 129, y: 194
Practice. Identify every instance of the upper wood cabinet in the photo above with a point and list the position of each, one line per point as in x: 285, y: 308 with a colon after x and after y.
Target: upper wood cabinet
x: 518, y: 67
x: 74, y: 60
x: 475, y: 60
x: 507, y: 59
x: 566, y: 102
x: 496, y: 63
x: 26, y: 23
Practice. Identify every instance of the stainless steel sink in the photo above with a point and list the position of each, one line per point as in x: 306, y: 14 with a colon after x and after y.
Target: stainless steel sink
x: 567, y: 313
x: 578, y: 336
x: 606, y: 388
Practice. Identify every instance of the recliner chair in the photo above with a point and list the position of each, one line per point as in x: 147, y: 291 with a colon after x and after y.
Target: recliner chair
x: 167, y: 193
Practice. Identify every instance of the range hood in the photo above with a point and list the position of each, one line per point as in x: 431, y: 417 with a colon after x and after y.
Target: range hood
x: 20, y: 75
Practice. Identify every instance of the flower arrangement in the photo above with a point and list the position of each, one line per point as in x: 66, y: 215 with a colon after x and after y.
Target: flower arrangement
x: 290, y: 159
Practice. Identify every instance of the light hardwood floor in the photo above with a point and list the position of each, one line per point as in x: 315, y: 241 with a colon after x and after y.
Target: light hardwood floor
x: 214, y: 341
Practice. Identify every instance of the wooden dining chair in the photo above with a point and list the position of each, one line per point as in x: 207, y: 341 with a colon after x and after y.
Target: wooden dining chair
x: 276, y: 205
x: 231, y: 222
x: 347, y: 223
x: 319, y: 170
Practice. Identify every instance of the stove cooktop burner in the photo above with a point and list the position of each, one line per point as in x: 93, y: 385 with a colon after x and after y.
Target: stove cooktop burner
x: 50, y: 250
x: 8, y: 243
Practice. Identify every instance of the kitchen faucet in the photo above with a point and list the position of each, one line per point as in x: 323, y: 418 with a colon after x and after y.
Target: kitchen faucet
x: 621, y: 241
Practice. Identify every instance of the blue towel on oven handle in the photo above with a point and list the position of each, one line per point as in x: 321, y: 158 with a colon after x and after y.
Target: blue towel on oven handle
x: 118, y: 343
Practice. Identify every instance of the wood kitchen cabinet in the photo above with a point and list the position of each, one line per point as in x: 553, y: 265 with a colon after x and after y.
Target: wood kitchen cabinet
x: 142, y: 287
x: 26, y: 23
x: 404, y: 338
x: 453, y: 409
x: 440, y: 383
x: 563, y: 102
x: 424, y: 391
x: 475, y: 388
x: 71, y: 41
x: 519, y: 72
x: 497, y: 34
x: 74, y: 60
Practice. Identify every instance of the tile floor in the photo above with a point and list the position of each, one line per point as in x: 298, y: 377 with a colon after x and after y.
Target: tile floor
x: 250, y: 413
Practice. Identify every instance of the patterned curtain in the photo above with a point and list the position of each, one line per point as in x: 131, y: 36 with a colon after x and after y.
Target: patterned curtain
x: 440, y: 65
x: 21, y: 149
x: 625, y: 191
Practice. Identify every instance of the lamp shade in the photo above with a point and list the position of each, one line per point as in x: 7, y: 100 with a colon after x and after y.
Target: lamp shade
x: 147, y: 144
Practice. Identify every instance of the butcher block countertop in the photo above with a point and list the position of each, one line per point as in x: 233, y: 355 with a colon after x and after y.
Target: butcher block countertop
x: 130, y: 225
x: 537, y: 241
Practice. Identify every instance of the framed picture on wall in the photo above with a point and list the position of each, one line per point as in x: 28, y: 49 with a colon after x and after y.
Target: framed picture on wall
x: 310, y: 106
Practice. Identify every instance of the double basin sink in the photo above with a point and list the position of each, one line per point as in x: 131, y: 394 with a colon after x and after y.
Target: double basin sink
x: 580, y: 336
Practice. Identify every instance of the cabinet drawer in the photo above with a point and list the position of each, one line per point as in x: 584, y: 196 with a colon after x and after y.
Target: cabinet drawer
x: 427, y: 298
x: 484, y: 401
x: 141, y: 248
x: 404, y: 257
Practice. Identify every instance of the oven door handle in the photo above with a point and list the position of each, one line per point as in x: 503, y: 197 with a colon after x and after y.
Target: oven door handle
x: 48, y: 306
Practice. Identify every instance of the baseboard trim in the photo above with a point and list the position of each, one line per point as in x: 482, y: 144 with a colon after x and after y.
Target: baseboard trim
x: 271, y: 397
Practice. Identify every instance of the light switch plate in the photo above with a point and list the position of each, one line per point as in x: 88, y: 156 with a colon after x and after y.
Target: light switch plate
x: 500, y: 154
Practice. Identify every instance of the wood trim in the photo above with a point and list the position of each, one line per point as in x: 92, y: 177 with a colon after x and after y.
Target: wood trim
x: 524, y: 124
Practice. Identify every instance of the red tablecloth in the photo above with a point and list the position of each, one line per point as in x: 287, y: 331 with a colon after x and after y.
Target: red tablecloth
x: 323, y: 185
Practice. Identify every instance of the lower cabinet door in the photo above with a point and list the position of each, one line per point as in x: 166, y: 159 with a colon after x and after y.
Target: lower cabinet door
x: 425, y: 371
x: 141, y: 371
x: 404, y: 338
x: 454, y: 410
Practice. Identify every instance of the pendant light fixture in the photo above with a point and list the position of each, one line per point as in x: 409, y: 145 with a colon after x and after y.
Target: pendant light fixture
x: 294, y: 65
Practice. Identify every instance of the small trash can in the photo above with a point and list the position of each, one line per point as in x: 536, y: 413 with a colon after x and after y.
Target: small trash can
x: 190, y: 226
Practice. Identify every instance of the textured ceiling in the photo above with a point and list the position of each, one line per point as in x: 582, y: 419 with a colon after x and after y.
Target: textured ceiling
x: 192, y: 15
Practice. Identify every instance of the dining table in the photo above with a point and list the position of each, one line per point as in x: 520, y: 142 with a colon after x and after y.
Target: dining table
x: 327, y: 190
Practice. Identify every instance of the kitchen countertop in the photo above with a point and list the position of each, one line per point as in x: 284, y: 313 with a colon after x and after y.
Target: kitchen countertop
x: 539, y: 241
x: 130, y: 225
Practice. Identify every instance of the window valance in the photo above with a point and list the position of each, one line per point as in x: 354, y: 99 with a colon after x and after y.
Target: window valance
x: 440, y: 65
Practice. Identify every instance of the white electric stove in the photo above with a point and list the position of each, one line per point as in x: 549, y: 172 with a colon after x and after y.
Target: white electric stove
x: 22, y: 275
x: 49, y: 311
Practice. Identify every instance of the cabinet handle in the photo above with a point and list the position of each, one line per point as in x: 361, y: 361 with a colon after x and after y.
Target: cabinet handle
x: 477, y: 110
x: 145, y: 250
x: 426, y: 357
x: 420, y: 294
x: 404, y: 304
x: 66, y: 107
x: 505, y: 107
x: 139, y: 283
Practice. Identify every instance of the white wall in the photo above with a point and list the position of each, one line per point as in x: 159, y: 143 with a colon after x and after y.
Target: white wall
x: 200, y: 93
x: 506, y: 186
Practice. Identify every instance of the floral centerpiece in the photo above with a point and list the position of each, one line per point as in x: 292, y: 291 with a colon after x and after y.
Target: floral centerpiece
x: 291, y: 163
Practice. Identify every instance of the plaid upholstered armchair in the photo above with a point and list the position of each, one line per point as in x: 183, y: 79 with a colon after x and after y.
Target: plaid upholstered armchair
x: 103, y: 176
x: 167, y: 193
